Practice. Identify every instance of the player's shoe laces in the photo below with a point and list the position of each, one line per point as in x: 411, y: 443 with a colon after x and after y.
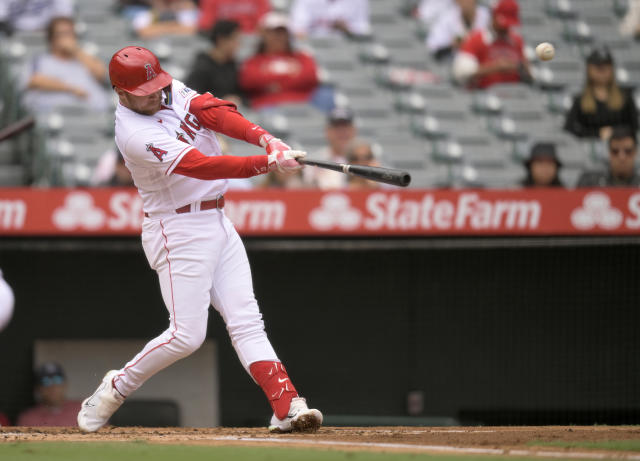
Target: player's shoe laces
x: 299, y: 419
x: 97, y: 409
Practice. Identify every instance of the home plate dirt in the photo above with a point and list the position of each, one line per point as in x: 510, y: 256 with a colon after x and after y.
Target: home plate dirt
x: 454, y: 440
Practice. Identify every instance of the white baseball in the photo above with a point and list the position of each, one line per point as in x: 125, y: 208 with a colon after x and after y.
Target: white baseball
x: 545, y: 51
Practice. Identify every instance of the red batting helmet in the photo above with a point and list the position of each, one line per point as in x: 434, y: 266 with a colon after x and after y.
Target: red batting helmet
x: 137, y: 71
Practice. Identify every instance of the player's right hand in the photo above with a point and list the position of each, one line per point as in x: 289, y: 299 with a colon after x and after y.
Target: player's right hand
x: 285, y: 161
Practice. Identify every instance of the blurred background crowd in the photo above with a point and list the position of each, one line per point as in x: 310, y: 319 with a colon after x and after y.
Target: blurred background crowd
x: 449, y: 89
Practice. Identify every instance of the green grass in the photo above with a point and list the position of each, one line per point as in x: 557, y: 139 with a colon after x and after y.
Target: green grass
x: 142, y: 451
x: 621, y: 445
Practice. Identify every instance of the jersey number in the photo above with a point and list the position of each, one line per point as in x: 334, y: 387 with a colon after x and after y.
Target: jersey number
x: 159, y: 153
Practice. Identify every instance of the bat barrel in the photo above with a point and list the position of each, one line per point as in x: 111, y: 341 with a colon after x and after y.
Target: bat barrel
x: 380, y: 174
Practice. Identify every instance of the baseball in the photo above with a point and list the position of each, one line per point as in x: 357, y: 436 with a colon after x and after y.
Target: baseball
x: 545, y: 51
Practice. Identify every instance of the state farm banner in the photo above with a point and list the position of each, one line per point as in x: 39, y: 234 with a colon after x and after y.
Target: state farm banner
x: 30, y: 211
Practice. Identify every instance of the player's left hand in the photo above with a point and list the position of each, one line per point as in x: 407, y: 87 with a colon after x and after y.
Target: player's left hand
x: 272, y: 144
x: 285, y: 161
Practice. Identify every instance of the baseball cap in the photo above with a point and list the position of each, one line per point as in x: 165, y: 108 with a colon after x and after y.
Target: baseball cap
x: 48, y: 374
x: 507, y: 13
x: 543, y: 150
x: 340, y: 115
x: 600, y: 55
x: 274, y: 20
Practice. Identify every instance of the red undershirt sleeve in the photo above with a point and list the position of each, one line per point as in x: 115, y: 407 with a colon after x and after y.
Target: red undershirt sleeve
x: 222, y: 116
x: 195, y: 164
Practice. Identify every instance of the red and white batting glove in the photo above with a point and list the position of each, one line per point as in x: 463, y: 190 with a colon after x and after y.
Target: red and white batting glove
x: 271, y: 144
x: 285, y: 161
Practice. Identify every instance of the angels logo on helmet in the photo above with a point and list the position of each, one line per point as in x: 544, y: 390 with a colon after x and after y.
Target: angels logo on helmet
x: 151, y: 74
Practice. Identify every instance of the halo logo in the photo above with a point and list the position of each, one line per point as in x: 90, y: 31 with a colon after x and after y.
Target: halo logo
x: 78, y: 211
x: 596, y: 211
x: 335, y: 211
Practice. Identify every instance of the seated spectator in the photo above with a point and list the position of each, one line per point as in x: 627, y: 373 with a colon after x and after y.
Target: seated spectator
x: 277, y: 73
x: 29, y: 15
x: 360, y: 152
x: 166, y: 17
x: 111, y: 170
x: 543, y: 167
x: 496, y: 55
x: 602, y: 103
x: 454, y: 25
x: 6, y: 303
x: 53, y: 408
x: 247, y: 13
x: 65, y: 75
x: 216, y: 71
x: 278, y: 180
x: 323, y: 18
x: 622, y: 157
x: 631, y: 23
x: 340, y: 131
x: 430, y: 10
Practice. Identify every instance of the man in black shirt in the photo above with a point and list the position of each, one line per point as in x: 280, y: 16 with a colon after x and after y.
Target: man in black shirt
x: 622, y: 156
x: 215, y: 71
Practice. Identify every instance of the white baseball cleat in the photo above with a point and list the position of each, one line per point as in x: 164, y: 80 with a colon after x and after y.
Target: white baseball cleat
x: 299, y: 419
x: 97, y: 409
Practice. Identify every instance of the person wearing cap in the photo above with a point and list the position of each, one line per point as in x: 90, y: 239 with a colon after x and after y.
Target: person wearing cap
x: 277, y: 73
x: 326, y: 18
x: 215, y: 71
x: 494, y: 55
x: 53, y: 408
x: 621, y: 171
x: 65, y: 75
x: 543, y: 166
x: 454, y: 25
x: 247, y: 13
x: 602, y: 104
x: 340, y: 131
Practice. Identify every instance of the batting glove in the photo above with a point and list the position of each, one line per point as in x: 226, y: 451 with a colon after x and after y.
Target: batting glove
x: 285, y: 161
x: 273, y: 145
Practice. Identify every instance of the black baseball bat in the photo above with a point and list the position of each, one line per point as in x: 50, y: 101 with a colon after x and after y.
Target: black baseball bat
x: 375, y: 173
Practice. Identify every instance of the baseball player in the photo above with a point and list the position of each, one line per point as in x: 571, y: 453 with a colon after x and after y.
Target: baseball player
x: 166, y: 133
x: 6, y: 303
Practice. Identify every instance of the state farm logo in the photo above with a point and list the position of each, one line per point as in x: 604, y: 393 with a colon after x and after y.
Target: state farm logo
x: 78, y: 211
x: 596, y: 211
x: 335, y: 211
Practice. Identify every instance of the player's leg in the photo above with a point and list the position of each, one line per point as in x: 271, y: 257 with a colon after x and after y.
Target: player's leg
x: 232, y: 295
x: 174, y: 250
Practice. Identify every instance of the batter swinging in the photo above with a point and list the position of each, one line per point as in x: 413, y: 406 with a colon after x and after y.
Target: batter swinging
x: 165, y: 132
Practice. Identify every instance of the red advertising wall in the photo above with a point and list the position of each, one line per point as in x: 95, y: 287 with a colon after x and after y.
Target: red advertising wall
x: 103, y: 212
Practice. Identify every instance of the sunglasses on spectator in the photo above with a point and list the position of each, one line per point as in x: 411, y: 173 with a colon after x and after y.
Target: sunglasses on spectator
x: 628, y: 151
x: 51, y: 380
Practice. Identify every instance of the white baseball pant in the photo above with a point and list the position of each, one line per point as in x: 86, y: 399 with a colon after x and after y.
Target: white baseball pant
x: 6, y: 303
x: 200, y: 260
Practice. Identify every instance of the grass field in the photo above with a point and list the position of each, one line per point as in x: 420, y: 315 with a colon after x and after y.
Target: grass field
x: 618, y: 445
x: 142, y: 451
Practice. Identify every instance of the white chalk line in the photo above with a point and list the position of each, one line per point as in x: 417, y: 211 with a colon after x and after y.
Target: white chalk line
x: 435, y: 448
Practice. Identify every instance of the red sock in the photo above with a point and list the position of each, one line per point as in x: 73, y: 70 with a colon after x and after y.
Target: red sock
x: 274, y: 381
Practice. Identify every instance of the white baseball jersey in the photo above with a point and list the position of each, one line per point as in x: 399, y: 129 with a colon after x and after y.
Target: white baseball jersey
x: 153, y: 145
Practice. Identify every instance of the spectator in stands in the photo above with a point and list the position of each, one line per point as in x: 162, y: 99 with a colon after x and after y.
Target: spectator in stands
x: 29, y: 15
x: 53, y: 408
x: 430, y: 10
x: 277, y: 180
x: 622, y: 171
x: 130, y: 8
x: 166, y: 17
x: 543, y: 166
x: 454, y: 25
x: 216, y: 71
x: 340, y: 131
x: 323, y: 18
x: 602, y: 103
x: 247, y: 13
x: 111, y: 170
x: 360, y: 152
x: 496, y: 55
x: 277, y: 73
x: 631, y: 23
x: 65, y: 75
